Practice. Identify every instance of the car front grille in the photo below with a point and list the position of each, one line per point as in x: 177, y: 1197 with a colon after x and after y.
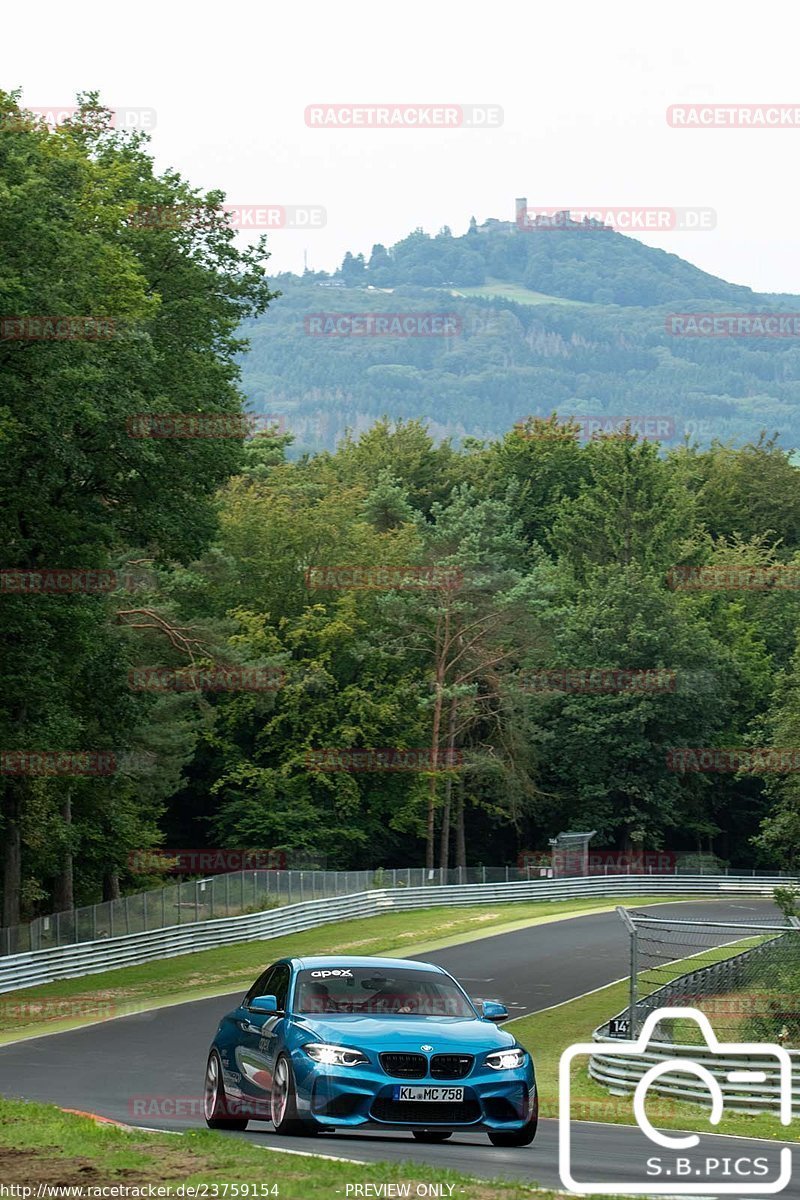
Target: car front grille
x: 451, y: 1066
x: 410, y: 1112
x: 405, y: 1066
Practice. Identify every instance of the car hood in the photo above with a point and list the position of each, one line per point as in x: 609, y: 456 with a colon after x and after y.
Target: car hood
x: 409, y: 1033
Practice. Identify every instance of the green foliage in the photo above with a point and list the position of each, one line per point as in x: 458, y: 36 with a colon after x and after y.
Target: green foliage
x: 787, y: 899
x: 558, y: 552
x: 571, y: 321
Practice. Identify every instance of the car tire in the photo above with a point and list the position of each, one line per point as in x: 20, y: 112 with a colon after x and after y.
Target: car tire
x: 432, y: 1135
x: 518, y: 1137
x: 283, y: 1102
x: 215, y: 1102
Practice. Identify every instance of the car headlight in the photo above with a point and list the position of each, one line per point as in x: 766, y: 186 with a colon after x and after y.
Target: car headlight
x: 334, y: 1056
x: 506, y: 1060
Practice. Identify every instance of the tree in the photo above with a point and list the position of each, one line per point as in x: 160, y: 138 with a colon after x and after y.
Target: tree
x: 76, y: 484
x: 629, y: 510
x: 744, y: 493
x: 469, y: 629
x: 605, y: 747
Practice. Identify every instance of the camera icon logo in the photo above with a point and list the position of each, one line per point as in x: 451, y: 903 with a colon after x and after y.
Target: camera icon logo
x: 719, y: 1072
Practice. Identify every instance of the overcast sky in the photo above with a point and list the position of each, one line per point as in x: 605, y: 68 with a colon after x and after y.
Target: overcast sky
x: 584, y: 90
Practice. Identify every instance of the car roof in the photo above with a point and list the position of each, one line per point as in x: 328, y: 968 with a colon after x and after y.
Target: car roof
x: 350, y: 960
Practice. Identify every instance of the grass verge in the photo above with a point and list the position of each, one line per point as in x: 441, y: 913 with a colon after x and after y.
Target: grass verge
x: 69, y: 1003
x: 40, y: 1144
x: 522, y: 295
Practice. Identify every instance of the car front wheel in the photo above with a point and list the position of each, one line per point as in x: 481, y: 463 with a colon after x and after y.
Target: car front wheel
x: 215, y: 1102
x: 283, y: 1102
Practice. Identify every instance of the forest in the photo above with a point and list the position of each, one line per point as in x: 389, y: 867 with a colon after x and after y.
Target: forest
x: 577, y: 322
x: 397, y: 650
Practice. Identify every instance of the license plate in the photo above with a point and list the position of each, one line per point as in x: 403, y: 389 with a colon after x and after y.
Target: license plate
x: 428, y: 1093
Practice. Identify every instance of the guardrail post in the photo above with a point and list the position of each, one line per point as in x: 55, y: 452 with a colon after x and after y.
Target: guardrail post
x: 634, y: 968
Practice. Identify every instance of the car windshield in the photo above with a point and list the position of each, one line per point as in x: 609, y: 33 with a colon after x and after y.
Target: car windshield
x: 400, y: 992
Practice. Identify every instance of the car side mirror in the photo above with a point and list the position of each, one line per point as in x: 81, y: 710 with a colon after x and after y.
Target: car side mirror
x: 264, y: 1004
x: 494, y: 1011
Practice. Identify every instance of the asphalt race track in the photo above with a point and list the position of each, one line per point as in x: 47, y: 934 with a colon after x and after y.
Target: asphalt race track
x: 119, y: 1067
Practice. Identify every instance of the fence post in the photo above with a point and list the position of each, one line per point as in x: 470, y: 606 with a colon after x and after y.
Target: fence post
x: 634, y: 968
x: 94, y: 922
x: 227, y: 895
x: 144, y: 910
x: 127, y: 915
x: 163, y: 907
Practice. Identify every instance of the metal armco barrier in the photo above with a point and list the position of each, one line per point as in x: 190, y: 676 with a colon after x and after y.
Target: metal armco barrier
x: 87, y: 958
x: 620, y: 1074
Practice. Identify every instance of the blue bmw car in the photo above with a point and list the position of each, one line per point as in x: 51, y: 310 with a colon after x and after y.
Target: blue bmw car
x: 332, y: 1042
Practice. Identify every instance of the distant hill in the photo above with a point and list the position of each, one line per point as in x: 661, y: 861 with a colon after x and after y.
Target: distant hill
x: 568, y: 320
